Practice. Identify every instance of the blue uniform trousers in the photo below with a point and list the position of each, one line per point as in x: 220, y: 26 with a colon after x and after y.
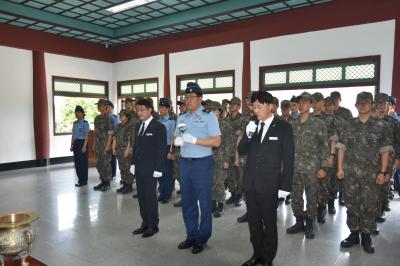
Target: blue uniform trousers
x: 196, y: 187
x: 166, y: 182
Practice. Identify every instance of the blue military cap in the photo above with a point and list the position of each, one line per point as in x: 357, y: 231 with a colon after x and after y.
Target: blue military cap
x: 192, y: 87
x: 165, y: 102
x: 392, y: 100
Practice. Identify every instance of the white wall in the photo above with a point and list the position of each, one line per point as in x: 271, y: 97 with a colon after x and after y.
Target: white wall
x: 218, y: 58
x: 57, y: 65
x: 17, y: 140
x: 143, y: 68
x: 353, y: 41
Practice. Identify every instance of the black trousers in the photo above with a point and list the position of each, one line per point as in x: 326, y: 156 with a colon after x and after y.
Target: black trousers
x: 261, y: 211
x: 113, y: 166
x: 147, y: 197
x: 81, y: 162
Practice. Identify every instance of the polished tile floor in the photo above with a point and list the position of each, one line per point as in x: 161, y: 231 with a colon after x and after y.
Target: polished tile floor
x: 78, y: 226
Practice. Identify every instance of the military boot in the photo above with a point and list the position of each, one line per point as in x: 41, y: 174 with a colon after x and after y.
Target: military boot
x: 214, y: 205
x: 321, y: 214
x: 127, y: 189
x: 331, y: 206
x: 232, y: 199
x: 238, y: 200
x: 366, y: 243
x: 106, y: 186
x: 219, y: 210
x: 351, y: 240
x: 309, y: 229
x: 99, y: 186
x: 297, y: 227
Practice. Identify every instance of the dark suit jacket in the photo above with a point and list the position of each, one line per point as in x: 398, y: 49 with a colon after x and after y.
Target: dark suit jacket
x: 149, y: 150
x: 269, y: 165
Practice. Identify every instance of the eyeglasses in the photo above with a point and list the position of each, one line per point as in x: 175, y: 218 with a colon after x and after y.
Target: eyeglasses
x: 190, y: 97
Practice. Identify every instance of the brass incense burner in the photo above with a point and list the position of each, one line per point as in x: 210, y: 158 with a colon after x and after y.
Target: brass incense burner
x: 16, y: 236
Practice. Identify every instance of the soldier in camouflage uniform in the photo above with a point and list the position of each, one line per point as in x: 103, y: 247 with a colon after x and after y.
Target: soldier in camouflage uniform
x: 103, y: 131
x: 311, y: 151
x: 363, y: 157
x: 238, y: 123
x: 339, y: 124
x: 346, y: 115
x: 222, y: 156
x: 121, y: 140
x: 323, y: 183
x: 382, y: 101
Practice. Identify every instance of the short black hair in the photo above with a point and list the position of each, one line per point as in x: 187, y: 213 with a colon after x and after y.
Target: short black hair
x: 336, y: 95
x: 262, y: 97
x: 294, y: 99
x: 146, y: 103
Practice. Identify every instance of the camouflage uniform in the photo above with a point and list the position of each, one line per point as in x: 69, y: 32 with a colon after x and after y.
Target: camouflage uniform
x: 344, y: 113
x: 234, y: 180
x: 131, y: 126
x: 324, y: 183
x: 311, y: 150
x: 122, y: 135
x: 363, y: 143
x: 221, y: 155
x: 103, y: 126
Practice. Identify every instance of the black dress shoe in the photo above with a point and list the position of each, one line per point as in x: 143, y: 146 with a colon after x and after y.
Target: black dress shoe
x: 253, y: 261
x: 178, y: 204
x: 160, y: 198
x: 150, y: 232
x: 243, y: 218
x: 135, y: 196
x: 165, y: 201
x: 80, y: 185
x: 186, y: 244
x: 140, y: 230
x: 198, y: 247
x: 99, y: 186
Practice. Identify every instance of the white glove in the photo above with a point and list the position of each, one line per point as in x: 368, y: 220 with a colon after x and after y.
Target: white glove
x: 189, y: 138
x: 157, y: 174
x: 251, y: 129
x: 178, y: 142
x: 133, y: 169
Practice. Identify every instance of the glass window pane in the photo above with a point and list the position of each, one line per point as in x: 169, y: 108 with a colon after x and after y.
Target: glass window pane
x: 151, y: 87
x: 330, y: 73
x: 93, y: 89
x: 299, y: 76
x: 183, y: 83
x: 366, y: 71
x: 138, y: 88
x: 126, y: 89
x: 207, y: 83
x: 67, y: 86
x: 64, y: 112
x: 224, y: 82
x: 275, y: 78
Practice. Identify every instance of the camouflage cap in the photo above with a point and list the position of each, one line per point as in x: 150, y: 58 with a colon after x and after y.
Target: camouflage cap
x: 235, y: 100
x: 285, y: 104
x: 317, y: 97
x: 129, y: 100
x: 102, y: 102
x: 381, y: 98
x: 305, y: 96
x: 364, y: 97
x: 329, y: 99
x: 225, y: 101
x: 214, y: 106
x: 124, y: 112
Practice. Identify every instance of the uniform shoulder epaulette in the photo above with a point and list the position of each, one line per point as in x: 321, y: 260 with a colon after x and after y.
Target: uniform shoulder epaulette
x: 207, y: 111
x: 182, y: 113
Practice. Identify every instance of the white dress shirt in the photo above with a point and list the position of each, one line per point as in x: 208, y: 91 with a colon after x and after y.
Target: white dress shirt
x: 146, y: 123
x: 267, y: 123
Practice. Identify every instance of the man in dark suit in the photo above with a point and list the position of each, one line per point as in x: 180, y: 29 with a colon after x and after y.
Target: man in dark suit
x: 149, y: 151
x: 268, y: 144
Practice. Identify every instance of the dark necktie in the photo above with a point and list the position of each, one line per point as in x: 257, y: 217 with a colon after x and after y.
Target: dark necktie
x: 141, y: 129
x: 260, y: 133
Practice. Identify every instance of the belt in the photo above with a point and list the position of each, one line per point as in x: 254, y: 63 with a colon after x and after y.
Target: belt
x: 194, y: 159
